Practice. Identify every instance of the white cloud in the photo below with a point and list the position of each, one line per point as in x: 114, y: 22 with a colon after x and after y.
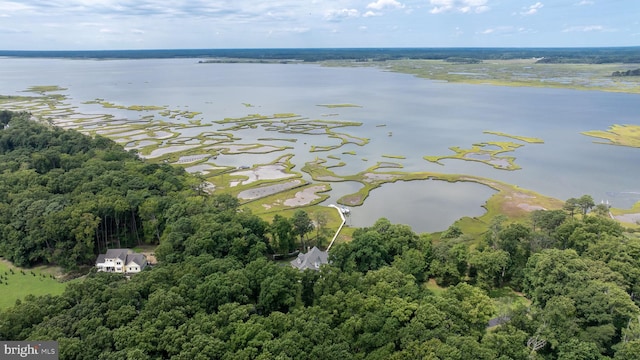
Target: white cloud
x: 339, y: 14
x: 243, y: 23
x: 505, y: 30
x: 10, y: 6
x: 586, y: 28
x: 371, y: 13
x: 382, y: 4
x: 497, y: 30
x: 287, y: 30
x: 463, y: 6
x: 531, y: 10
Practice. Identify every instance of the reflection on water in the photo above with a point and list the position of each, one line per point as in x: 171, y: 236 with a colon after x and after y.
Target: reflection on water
x: 426, y: 206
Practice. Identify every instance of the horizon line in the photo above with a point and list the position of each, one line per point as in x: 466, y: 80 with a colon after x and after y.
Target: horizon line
x: 331, y: 48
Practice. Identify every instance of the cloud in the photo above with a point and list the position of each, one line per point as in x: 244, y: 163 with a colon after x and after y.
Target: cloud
x: 497, y: 30
x: 337, y: 15
x: 505, y: 30
x: 532, y: 10
x: 285, y: 31
x: 585, y: 2
x: 463, y: 6
x: 371, y: 13
x: 382, y: 4
x: 585, y: 28
x: 11, y: 6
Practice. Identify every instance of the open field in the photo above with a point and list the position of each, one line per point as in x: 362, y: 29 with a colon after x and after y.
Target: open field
x: 16, y: 283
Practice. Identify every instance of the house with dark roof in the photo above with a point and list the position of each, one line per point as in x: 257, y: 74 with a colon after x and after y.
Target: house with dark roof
x: 121, y: 261
x: 311, y: 260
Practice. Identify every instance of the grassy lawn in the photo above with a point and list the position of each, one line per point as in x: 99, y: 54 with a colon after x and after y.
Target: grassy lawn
x: 434, y: 287
x: 22, y: 282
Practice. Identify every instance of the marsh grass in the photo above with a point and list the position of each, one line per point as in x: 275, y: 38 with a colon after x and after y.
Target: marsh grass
x: 530, y: 140
x: 479, y: 153
x: 520, y: 72
x: 623, y: 135
x: 41, y: 89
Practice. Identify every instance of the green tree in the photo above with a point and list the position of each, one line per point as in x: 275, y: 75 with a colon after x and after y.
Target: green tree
x: 413, y: 262
x: 367, y: 251
x: 468, y: 306
x: 450, y: 261
x: 547, y: 220
x: 302, y: 225
x: 490, y: 266
x: 571, y: 205
x: 320, y: 218
x: 280, y: 292
x: 585, y: 202
x: 602, y: 210
x: 282, y: 233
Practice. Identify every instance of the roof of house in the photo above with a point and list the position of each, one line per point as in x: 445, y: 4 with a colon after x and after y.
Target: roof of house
x: 138, y: 259
x: 117, y: 254
x: 311, y: 260
x: 126, y: 255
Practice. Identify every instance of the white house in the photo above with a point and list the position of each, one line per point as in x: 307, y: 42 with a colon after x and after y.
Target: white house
x: 121, y: 261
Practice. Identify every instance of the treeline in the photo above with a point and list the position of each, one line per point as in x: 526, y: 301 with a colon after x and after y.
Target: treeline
x: 635, y: 72
x: 550, y: 55
x: 65, y: 197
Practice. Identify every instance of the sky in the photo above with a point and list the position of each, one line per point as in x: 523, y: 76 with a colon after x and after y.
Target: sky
x: 200, y: 24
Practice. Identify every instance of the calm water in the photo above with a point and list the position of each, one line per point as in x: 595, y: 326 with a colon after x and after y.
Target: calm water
x: 424, y: 117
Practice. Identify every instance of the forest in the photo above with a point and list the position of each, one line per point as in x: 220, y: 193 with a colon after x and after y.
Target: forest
x: 216, y: 294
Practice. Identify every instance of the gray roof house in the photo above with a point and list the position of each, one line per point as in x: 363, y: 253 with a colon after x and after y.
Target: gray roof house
x: 311, y: 260
x: 121, y: 261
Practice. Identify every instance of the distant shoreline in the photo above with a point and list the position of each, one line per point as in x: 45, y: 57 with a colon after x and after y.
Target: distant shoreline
x: 593, y: 55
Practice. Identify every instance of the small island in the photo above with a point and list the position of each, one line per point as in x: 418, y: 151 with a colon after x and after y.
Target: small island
x: 622, y: 135
x: 486, y: 153
x: 530, y: 140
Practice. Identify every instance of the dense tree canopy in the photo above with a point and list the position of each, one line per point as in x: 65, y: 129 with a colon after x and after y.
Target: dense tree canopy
x: 65, y: 196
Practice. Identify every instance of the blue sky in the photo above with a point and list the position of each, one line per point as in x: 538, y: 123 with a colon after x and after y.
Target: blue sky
x: 154, y: 24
